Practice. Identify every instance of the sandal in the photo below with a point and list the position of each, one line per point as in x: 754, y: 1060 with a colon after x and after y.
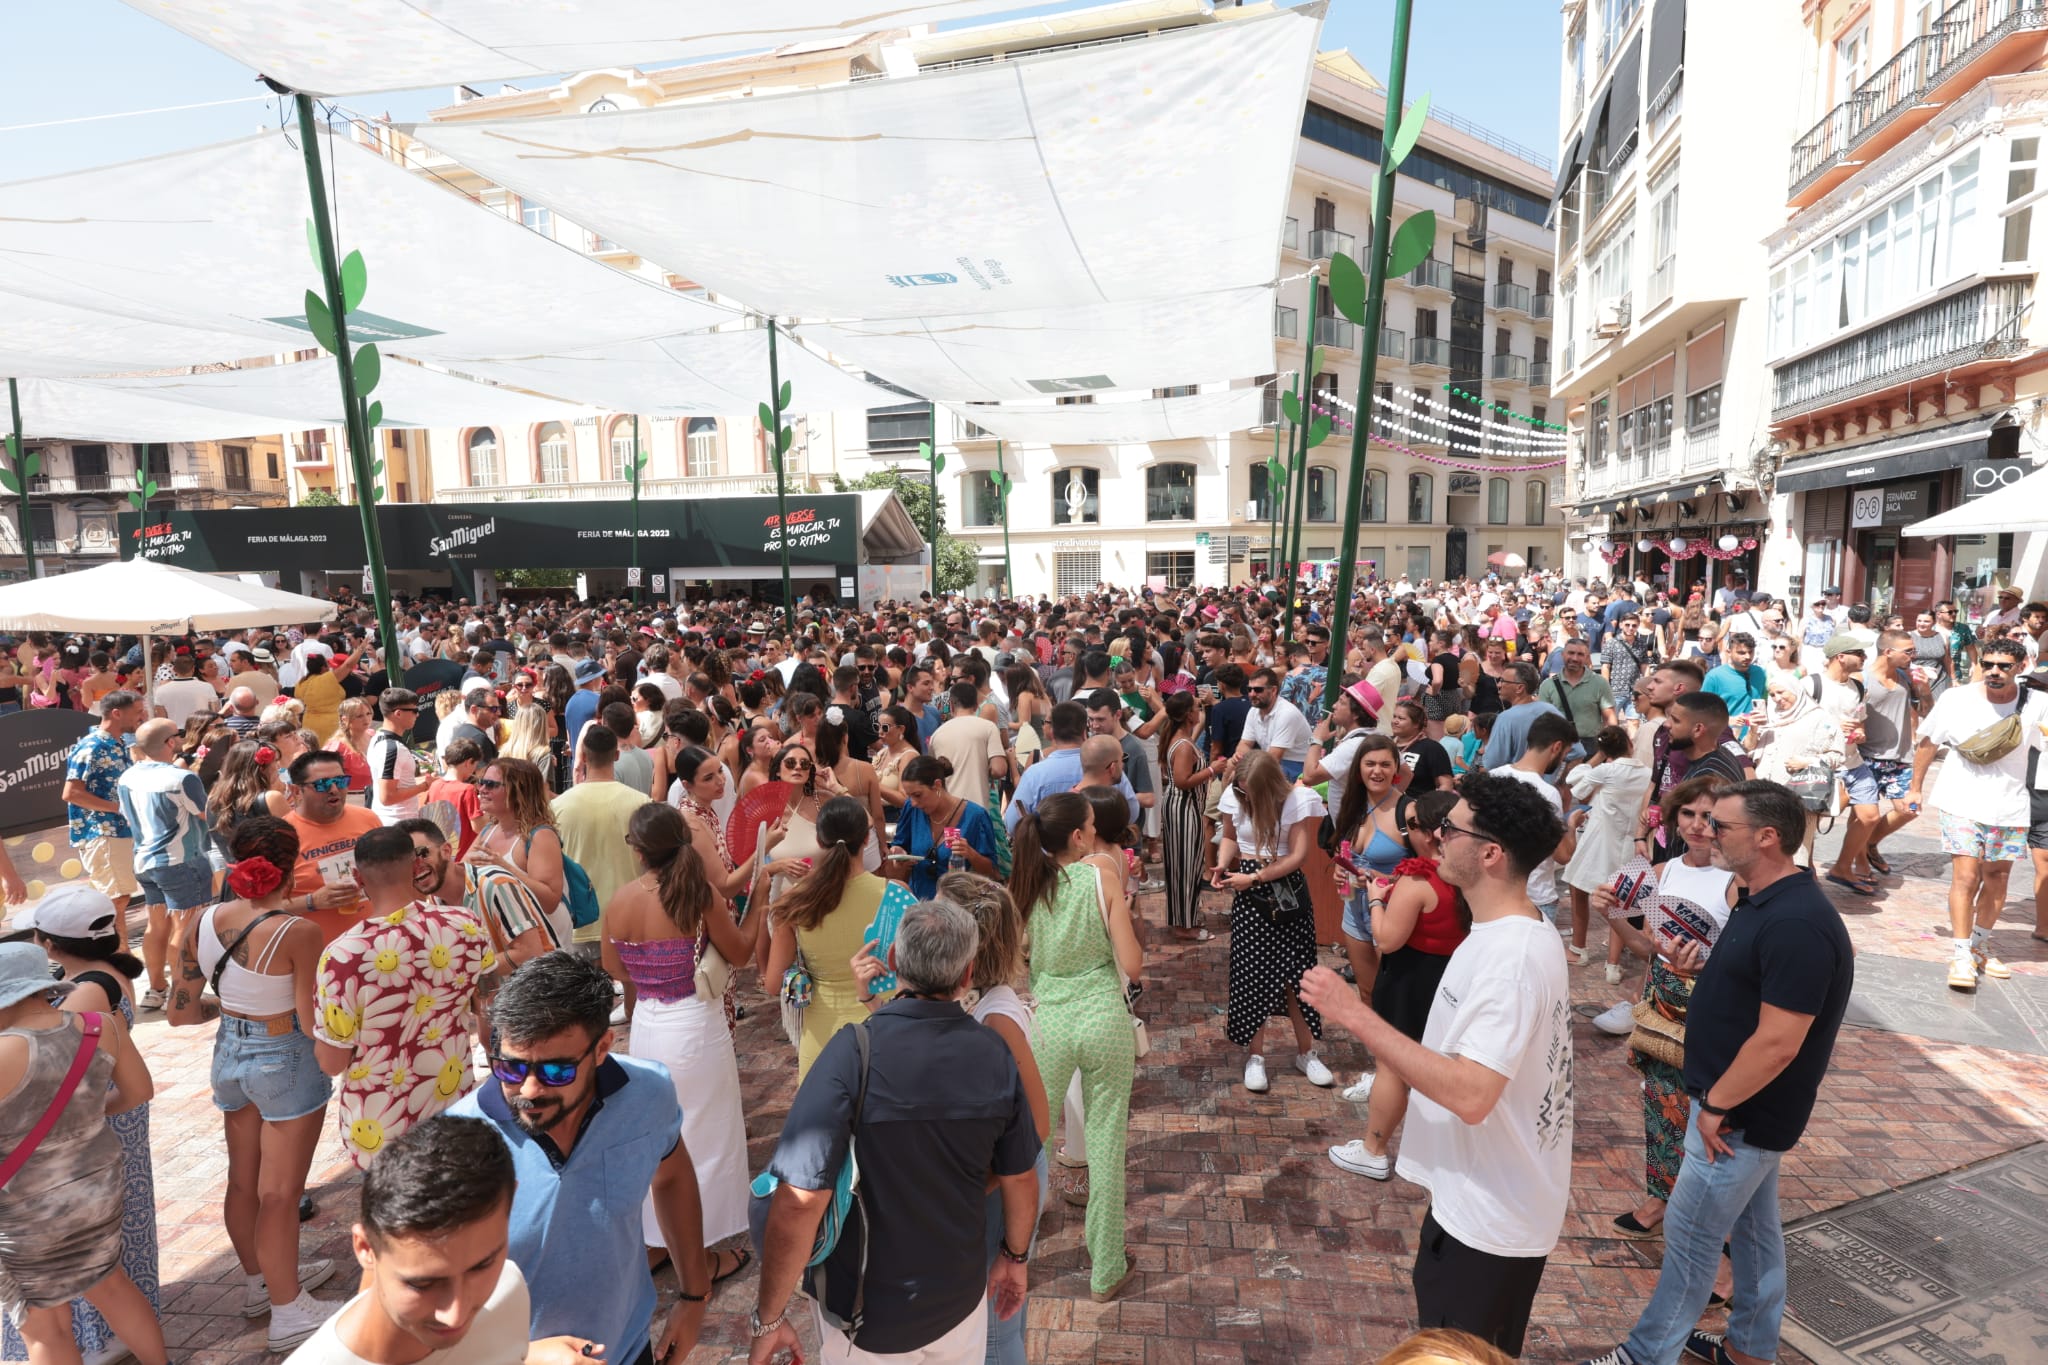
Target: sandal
x: 1860, y: 888
x: 1635, y: 1229
x: 1878, y: 862
x: 741, y: 1259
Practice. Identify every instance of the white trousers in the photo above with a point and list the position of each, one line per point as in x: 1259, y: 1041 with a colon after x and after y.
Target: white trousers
x: 966, y: 1344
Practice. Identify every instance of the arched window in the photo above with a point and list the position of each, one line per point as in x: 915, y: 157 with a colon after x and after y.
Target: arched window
x: 1497, y: 502
x: 1262, y: 491
x: 1170, y: 492
x: 701, y: 446
x: 1322, y: 494
x: 618, y: 465
x: 554, y: 453
x: 1421, y: 500
x: 1076, y: 499
x: 1375, y: 507
x: 1538, y: 501
x: 485, y: 468
x: 984, y: 503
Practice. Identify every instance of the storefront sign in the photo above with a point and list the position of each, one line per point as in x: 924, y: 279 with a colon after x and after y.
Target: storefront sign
x: 1899, y: 504
x: 33, y: 748
x: 1988, y: 476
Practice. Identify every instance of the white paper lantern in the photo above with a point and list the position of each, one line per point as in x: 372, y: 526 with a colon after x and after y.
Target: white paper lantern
x: 1729, y: 542
x: 1606, y: 546
x: 1644, y: 545
x: 1678, y: 544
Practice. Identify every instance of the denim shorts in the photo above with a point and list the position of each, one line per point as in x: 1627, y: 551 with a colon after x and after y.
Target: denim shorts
x: 1880, y: 779
x: 1357, y: 917
x: 186, y: 886
x: 278, y: 1073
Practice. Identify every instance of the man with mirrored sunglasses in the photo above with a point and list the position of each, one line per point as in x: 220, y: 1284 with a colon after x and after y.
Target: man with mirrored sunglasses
x: 590, y: 1133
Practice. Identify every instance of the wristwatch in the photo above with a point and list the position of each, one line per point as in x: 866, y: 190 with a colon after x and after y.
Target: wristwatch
x: 1715, y: 1110
x: 757, y: 1328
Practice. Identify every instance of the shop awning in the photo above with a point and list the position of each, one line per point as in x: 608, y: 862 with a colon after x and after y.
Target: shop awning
x: 1898, y: 457
x: 1667, y: 46
x: 2019, y: 506
x: 1651, y: 497
x: 1626, y: 106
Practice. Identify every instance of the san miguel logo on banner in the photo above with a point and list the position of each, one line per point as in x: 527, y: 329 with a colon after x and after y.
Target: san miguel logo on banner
x: 34, y: 746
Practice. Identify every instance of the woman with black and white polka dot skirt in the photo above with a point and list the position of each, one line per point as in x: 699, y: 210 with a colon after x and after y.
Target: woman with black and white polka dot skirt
x: 1269, y: 826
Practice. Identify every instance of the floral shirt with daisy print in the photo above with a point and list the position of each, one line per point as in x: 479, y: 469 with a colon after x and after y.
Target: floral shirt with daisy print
x: 399, y: 990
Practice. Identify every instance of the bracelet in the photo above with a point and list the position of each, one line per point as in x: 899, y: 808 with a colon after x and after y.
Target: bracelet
x: 1706, y: 1108
x: 1019, y: 1258
x: 692, y: 1298
x: 757, y: 1328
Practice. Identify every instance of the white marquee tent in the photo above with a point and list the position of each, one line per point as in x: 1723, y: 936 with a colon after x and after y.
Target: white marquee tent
x: 2021, y: 505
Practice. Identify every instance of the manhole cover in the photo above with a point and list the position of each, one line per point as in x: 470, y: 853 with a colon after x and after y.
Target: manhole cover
x: 1953, y: 1269
x: 1902, y: 995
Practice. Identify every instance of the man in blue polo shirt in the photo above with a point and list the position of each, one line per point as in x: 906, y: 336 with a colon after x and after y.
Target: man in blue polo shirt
x: 590, y: 1133
x: 938, y: 1108
x: 1059, y: 770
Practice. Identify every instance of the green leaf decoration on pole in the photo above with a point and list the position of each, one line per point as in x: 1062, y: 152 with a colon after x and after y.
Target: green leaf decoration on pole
x: 783, y: 440
x: 313, y: 242
x: 1405, y: 137
x: 767, y: 415
x: 145, y: 489
x: 1347, y: 288
x: 320, y: 322
x: 782, y: 398
x: 369, y: 368
x: 1291, y: 406
x: 1275, y: 469
x: 924, y: 451
x: 938, y: 464
x: 1413, y: 241
x: 1318, y: 431
x: 355, y: 280
x: 375, y: 412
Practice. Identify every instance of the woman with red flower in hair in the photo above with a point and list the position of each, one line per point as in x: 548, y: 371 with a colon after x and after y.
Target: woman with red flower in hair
x: 262, y: 962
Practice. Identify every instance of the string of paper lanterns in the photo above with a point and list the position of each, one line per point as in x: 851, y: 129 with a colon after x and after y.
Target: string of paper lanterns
x: 1677, y: 547
x: 1406, y: 423
x: 1469, y: 466
x: 1504, y: 410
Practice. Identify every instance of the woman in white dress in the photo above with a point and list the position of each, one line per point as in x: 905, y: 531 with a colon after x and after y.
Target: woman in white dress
x: 1611, y: 787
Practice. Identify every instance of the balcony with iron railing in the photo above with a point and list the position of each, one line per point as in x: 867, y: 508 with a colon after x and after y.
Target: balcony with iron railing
x: 1430, y: 351
x: 620, y: 490
x: 1985, y: 322
x: 1337, y: 334
x: 1511, y: 296
x: 1324, y: 243
x: 1703, y: 447
x: 1286, y: 323
x: 1431, y: 274
x: 1393, y: 344
x: 1906, y: 91
x: 1512, y: 368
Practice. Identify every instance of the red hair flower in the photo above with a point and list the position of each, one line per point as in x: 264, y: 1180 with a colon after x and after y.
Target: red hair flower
x: 265, y: 756
x: 254, y: 878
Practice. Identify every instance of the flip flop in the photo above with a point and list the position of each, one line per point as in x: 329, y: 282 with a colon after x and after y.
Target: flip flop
x: 1877, y: 862
x: 1860, y: 888
x: 742, y: 1258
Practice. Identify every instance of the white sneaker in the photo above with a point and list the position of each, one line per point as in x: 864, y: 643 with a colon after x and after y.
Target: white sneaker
x: 1360, y: 1090
x: 297, y: 1320
x: 152, y: 999
x: 1962, y: 972
x: 1311, y: 1066
x: 1619, y: 1020
x: 1579, y: 956
x: 1255, y: 1074
x: 256, y: 1297
x: 1353, y: 1157
x: 1614, y: 973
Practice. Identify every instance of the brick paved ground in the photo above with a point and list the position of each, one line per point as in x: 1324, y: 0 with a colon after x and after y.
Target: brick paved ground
x: 1254, y: 1247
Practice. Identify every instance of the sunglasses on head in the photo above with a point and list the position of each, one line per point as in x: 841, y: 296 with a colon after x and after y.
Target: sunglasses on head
x: 327, y: 784
x: 554, y: 1073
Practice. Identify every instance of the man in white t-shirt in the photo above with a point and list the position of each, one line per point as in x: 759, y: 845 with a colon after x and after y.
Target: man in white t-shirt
x: 1985, y: 807
x: 973, y: 746
x: 186, y: 694
x: 1383, y: 673
x: 1490, y: 1123
x: 1275, y: 725
x: 1550, y: 735
x: 431, y: 1240
x: 396, y: 783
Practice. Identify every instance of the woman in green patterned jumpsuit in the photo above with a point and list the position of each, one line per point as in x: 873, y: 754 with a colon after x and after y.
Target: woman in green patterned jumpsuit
x: 1083, y: 948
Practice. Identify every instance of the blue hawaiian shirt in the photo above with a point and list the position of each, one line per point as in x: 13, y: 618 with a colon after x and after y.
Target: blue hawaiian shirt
x: 97, y: 762
x: 1295, y: 687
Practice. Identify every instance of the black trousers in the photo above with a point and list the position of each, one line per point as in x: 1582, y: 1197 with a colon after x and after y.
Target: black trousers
x: 1474, y: 1291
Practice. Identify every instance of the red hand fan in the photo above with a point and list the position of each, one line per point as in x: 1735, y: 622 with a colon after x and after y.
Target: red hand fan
x: 763, y: 805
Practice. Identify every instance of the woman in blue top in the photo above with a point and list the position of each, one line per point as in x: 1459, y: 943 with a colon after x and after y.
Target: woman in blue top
x: 938, y: 832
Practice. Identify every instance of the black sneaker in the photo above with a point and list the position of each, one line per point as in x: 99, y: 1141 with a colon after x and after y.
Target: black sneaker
x: 1711, y: 1347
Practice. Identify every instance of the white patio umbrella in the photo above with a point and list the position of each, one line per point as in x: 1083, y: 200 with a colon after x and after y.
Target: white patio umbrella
x: 2021, y: 505
x: 148, y: 598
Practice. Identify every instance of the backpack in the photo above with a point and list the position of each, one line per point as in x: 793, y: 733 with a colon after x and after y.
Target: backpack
x: 578, y: 894
x: 1815, y: 679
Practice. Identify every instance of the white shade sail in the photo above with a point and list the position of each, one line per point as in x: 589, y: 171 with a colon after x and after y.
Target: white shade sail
x: 2019, y: 506
x: 201, y: 256
x: 144, y: 597
x: 366, y: 45
x: 708, y: 374
x: 269, y: 398
x: 1195, y: 339
x: 1132, y: 171
x: 1114, y: 419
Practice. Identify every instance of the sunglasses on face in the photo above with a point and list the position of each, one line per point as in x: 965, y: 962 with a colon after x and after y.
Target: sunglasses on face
x: 796, y: 764
x: 487, y: 784
x: 1445, y: 829
x: 1718, y: 825
x: 327, y: 784
x: 553, y: 1073
x: 2001, y: 665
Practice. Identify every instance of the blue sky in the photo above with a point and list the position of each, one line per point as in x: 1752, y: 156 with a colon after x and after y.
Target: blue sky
x: 1491, y: 61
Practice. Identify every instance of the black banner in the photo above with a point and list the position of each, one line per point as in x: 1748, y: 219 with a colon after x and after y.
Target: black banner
x: 679, y: 533
x: 33, y: 748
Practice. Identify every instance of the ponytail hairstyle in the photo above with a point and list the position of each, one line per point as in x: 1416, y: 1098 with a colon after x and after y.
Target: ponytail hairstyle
x: 831, y: 737
x: 1180, y: 710
x: 1112, y: 814
x: 999, y: 948
x: 657, y: 833
x: 906, y: 726
x: 928, y: 769
x: 842, y: 834
x: 1040, y: 838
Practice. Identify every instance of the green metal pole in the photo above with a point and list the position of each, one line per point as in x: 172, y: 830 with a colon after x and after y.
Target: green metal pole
x: 1304, y: 393
x: 776, y: 453
x: 1009, y: 584
x: 636, y: 509
x: 357, y: 416
x: 1375, y: 301
x: 28, y: 521
x: 1273, y: 495
x: 932, y: 517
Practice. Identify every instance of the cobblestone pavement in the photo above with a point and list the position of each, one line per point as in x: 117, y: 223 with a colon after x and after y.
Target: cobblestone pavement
x: 1254, y: 1247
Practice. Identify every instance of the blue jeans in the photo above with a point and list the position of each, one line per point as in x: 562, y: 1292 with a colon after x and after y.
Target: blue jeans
x: 1006, y: 1335
x: 1734, y: 1199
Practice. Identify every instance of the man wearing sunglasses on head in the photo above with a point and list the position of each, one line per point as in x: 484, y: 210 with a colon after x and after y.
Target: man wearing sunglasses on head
x: 590, y: 1133
x: 1982, y: 796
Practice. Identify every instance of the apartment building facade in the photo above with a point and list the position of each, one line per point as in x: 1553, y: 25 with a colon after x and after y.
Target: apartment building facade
x: 1906, y: 355
x: 1661, y: 212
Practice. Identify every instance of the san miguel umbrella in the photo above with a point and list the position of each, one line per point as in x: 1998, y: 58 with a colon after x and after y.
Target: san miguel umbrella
x: 1507, y: 559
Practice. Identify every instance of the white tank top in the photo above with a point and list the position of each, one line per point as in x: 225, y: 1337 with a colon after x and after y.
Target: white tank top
x: 250, y: 992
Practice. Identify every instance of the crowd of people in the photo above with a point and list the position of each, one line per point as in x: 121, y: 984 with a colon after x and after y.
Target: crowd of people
x: 488, y: 912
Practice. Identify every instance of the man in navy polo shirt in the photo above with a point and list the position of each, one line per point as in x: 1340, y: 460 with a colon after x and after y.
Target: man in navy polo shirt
x: 944, y: 1109
x: 1759, y: 1033
x: 590, y: 1133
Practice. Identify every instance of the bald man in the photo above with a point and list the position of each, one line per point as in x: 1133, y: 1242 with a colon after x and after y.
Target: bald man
x: 165, y: 807
x: 244, y: 713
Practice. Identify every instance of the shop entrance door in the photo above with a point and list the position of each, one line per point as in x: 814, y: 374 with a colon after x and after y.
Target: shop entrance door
x: 1880, y: 566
